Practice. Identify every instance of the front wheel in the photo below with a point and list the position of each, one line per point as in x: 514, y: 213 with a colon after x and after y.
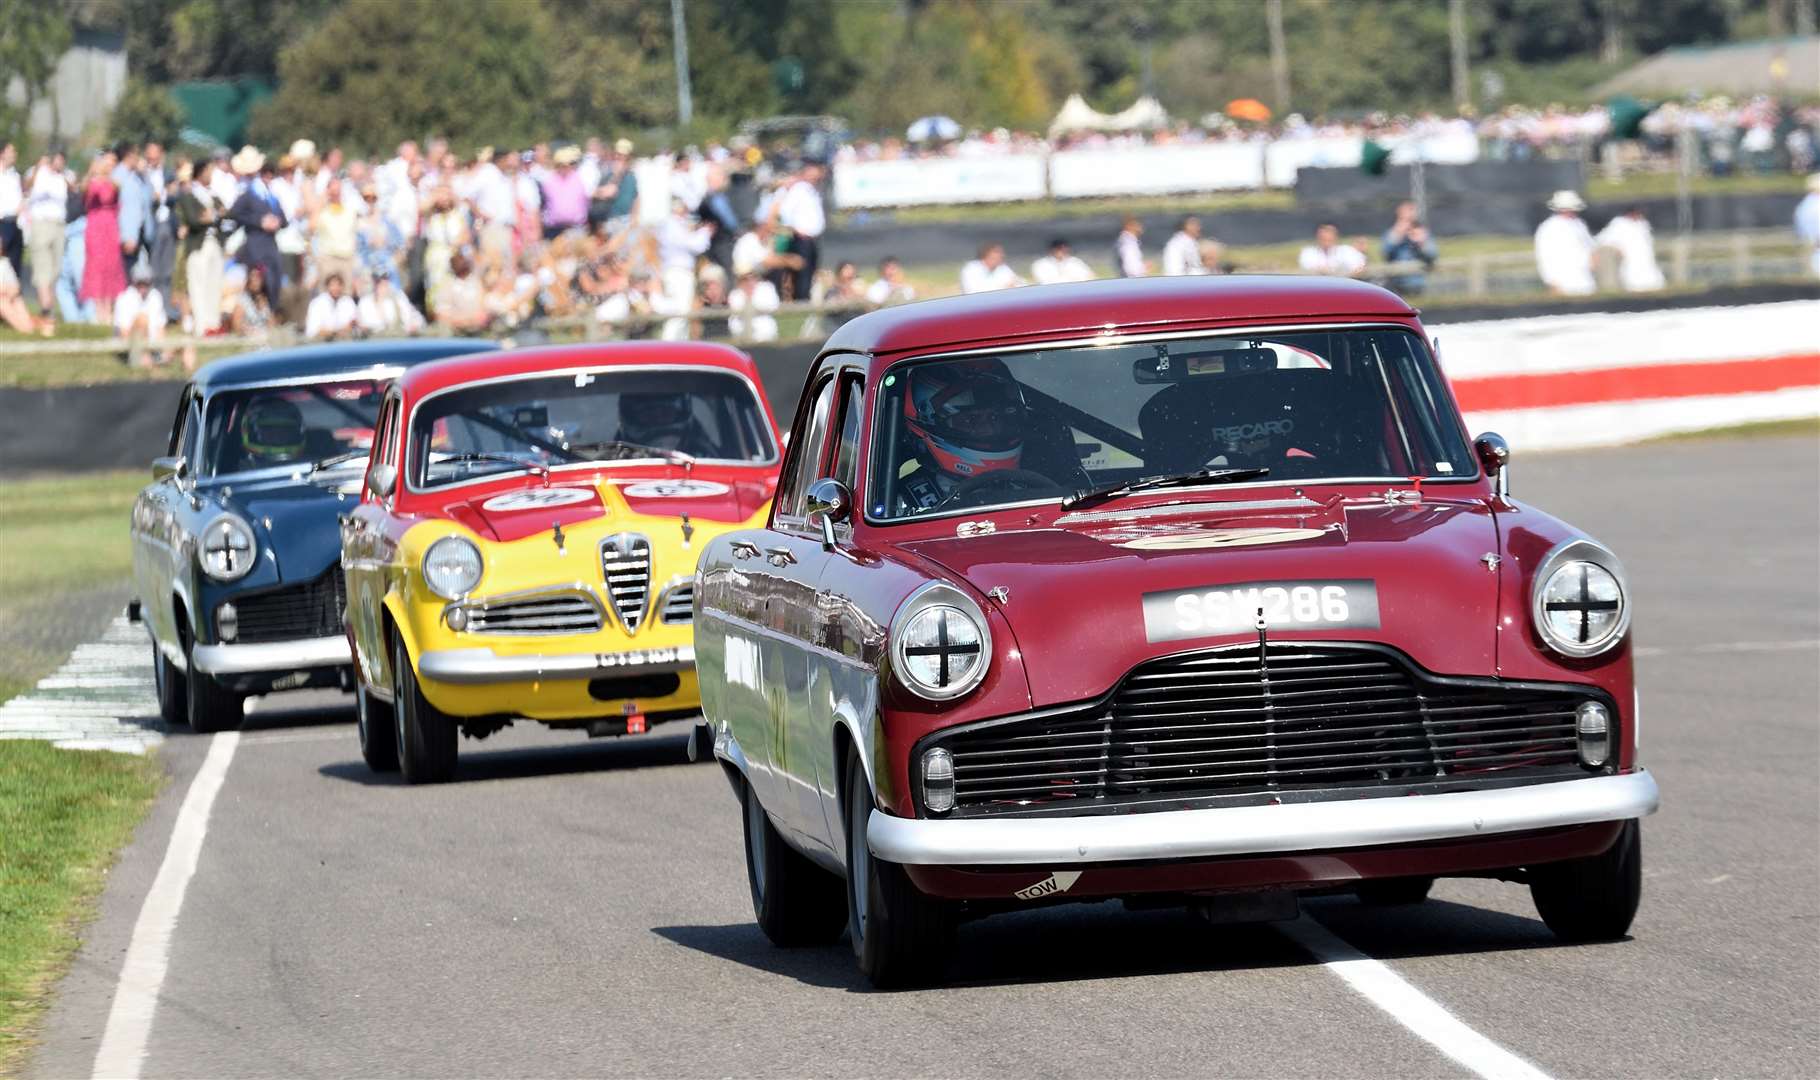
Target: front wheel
x: 900, y: 937
x: 173, y: 706
x: 426, y: 735
x: 795, y: 901
x: 378, y: 731
x: 1595, y: 898
x: 211, y: 707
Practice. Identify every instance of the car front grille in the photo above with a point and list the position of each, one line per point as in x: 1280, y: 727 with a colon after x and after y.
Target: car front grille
x: 1235, y: 722
x: 544, y: 613
x: 679, y: 604
x: 295, y: 612
x: 625, y: 562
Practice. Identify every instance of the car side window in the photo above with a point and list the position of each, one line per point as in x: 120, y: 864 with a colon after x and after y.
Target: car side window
x: 807, y: 457
x: 852, y: 417
x: 181, y: 422
x: 385, y: 434
x: 189, y: 433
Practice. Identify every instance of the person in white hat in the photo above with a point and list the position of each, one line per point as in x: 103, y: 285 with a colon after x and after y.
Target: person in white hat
x: 1564, y: 247
x: 1807, y: 223
x: 259, y: 215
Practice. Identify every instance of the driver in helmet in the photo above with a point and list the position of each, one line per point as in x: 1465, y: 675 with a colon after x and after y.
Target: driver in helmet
x: 967, y: 420
x: 271, y: 432
x: 663, y: 420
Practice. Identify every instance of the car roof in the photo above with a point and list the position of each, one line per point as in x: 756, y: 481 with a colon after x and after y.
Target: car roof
x: 433, y: 377
x: 1123, y: 304
x: 325, y: 361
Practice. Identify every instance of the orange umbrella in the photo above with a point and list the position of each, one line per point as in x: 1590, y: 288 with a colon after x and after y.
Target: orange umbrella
x: 1248, y: 109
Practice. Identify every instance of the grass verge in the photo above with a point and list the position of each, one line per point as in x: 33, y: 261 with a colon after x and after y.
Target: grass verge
x: 64, y: 561
x: 65, y: 557
x: 64, y: 814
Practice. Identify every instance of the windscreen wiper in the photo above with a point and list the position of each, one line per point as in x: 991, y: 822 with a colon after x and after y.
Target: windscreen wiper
x: 330, y: 462
x: 537, y: 467
x: 1152, y: 483
x: 676, y: 456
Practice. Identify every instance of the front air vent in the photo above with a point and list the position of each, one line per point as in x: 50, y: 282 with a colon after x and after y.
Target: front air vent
x: 679, y: 603
x: 537, y: 613
x: 625, y: 562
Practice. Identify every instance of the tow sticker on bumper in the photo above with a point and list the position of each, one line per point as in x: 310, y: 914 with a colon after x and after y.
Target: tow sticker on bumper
x: 1059, y: 882
x: 1232, y: 609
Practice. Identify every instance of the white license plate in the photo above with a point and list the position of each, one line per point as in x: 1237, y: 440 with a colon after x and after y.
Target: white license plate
x: 1214, y: 610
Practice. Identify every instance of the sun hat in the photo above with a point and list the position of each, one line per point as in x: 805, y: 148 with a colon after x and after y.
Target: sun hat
x: 303, y: 150
x: 248, y: 161
x: 622, y: 146
x: 1566, y: 200
x: 567, y: 155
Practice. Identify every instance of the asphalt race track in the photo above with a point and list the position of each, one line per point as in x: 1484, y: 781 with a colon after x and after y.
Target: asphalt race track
x: 575, y: 908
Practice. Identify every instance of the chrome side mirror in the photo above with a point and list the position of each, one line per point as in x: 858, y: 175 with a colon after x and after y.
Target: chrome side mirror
x: 829, y: 501
x: 1494, y: 456
x: 174, y: 465
x: 381, y: 479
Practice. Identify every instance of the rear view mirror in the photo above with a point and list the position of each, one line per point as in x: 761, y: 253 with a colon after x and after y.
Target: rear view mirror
x: 173, y: 465
x: 1494, y: 456
x: 829, y: 501
x: 381, y: 479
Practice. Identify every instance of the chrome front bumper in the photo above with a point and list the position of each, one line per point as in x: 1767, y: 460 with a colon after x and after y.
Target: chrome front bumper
x: 479, y: 666
x: 1252, y: 830
x: 272, y: 656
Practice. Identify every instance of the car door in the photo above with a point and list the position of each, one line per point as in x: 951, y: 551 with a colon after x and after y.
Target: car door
x: 844, y: 663
x: 363, y: 561
x: 156, y: 518
x: 783, y: 565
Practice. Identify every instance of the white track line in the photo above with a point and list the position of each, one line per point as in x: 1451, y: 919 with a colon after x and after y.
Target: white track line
x: 1792, y: 645
x: 1408, y: 1006
x: 148, y: 954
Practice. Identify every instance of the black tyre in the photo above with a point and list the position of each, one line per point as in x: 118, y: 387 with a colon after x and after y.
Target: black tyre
x: 426, y: 736
x: 1395, y: 892
x: 1595, y: 898
x: 211, y: 707
x: 900, y: 937
x: 378, y: 731
x: 796, y: 902
x: 173, y: 701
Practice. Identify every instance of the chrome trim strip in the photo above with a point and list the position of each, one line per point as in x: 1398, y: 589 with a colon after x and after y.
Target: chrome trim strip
x: 480, y: 666
x: 1251, y: 830
x: 274, y: 656
x: 572, y: 466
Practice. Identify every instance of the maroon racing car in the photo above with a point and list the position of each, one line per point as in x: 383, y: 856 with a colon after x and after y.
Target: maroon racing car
x: 1188, y: 591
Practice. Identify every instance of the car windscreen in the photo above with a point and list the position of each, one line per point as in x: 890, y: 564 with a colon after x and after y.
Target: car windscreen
x: 262, y: 427
x: 1304, y: 406
x: 583, y: 419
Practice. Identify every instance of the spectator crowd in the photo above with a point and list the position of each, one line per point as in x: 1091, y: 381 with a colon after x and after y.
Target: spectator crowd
x: 331, y: 246
x: 336, y: 247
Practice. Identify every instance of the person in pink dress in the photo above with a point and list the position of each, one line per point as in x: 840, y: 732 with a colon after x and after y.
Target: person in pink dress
x: 104, y: 273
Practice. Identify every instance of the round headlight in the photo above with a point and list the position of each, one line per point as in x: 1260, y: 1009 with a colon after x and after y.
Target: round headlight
x: 1580, y: 608
x: 228, y: 549
x: 941, y: 645
x: 451, y: 568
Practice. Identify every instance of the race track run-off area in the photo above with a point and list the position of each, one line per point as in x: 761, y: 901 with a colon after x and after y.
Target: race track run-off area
x: 568, y: 907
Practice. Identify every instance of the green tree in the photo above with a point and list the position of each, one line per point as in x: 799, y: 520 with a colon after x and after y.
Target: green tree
x: 145, y: 113
x: 33, y: 35
x: 175, y: 40
x: 370, y: 75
